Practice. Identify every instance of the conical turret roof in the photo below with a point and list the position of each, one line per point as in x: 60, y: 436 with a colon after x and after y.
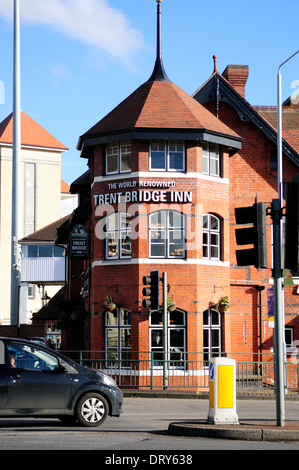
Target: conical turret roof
x: 158, y: 105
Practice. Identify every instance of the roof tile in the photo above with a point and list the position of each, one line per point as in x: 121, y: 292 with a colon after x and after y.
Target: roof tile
x: 32, y: 134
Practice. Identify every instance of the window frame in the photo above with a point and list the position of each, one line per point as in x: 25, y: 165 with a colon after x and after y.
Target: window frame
x: 211, y: 350
x: 167, y: 154
x: 120, y: 350
x: 209, y: 159
x: 55, y: 249
x: 210, y: 232
x: 166, y: 231
x: 176, y: 354
x: 120, y: 233
x: 119, y: 153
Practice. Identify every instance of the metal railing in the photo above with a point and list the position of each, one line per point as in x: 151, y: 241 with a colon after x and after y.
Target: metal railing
x: 142, y: 370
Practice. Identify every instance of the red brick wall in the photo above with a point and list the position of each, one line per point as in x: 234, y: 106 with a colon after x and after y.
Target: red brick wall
x: 250, y: 174
x: 195, y: 285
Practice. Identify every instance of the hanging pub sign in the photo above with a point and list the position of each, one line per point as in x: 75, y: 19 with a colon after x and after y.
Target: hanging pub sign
x: 79, y: 242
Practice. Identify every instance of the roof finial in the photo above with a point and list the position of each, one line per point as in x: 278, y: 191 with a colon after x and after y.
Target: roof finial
x: 215, y: 64
x: 159, y: 72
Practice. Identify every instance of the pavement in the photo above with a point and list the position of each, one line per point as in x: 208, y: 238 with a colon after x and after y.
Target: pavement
x: 252, y: 430
x: 245, y: 430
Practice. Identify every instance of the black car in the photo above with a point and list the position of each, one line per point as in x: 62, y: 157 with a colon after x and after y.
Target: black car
x: 37, y: 381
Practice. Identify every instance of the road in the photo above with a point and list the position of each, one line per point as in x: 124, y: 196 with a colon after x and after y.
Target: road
x: 142, y: 427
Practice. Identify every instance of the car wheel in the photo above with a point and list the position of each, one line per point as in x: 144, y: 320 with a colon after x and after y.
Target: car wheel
x: 92, y: 409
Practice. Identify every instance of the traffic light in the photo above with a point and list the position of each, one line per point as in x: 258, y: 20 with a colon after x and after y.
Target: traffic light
x: 255, y: 235
x: 292, y: 227
x: 152, y: 291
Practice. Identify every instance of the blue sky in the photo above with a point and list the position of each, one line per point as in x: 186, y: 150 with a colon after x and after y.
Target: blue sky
x: 81, y: 58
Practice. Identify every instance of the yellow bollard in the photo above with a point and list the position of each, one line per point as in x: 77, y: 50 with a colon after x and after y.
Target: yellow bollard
x: 222, y: 398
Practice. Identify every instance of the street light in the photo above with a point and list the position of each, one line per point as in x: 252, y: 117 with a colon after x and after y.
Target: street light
x: 279, y: 129
x: 279, y: 341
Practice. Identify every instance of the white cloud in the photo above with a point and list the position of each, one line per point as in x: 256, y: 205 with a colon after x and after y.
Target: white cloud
x: 93, y: 22
x: 59, y: 71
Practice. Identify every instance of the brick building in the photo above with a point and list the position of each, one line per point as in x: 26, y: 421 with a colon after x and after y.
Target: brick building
x: 166, y: 171
x: 253, y: 171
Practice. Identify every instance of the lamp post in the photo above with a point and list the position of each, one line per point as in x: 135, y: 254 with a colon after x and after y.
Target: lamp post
x: 16, y: 175
x: 279, y: 340
x: 279, y: 129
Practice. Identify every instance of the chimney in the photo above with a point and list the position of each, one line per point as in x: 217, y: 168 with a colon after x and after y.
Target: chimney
x: 237, y: 76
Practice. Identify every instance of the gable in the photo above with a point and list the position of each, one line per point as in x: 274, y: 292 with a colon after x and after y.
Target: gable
x: 218, y: 89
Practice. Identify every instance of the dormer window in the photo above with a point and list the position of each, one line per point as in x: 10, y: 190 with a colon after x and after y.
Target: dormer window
x: 118, y: 157
x: 167, y: 155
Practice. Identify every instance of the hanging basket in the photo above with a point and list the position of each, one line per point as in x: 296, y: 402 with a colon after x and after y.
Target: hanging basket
x: 108, y: 305
x: 171, y: 305
x: 223, y: 304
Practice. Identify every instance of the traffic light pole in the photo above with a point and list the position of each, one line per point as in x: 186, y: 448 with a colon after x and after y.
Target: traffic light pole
x: 165, y: 378
x: 276, y: 214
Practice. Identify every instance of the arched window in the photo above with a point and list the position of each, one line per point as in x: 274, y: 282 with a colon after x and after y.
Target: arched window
x: 167, y: 234
x: 175, y: 337
x: 211, y: 237
x: 118, y: 236
x: 118, y: 337
x: 211, y: 334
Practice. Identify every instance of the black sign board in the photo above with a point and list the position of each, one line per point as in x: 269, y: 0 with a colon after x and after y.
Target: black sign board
x: 79, y: 242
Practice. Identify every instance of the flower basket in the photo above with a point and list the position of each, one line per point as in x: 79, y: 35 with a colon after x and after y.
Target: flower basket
x: 171, y: 306
x: 223, y: 304
x: 108, y: 304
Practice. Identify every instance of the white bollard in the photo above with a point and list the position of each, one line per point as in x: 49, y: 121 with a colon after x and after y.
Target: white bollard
x: 222, y: 382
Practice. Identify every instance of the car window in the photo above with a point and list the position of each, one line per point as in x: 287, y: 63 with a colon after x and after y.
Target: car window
x: 30, y: 357
x: 2, y: 354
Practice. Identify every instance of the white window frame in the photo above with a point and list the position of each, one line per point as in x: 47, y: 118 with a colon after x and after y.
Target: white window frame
x: 211, y: 350
x: 208, y: 151
x: 175, y: 354
x: 120, y: 231
x: 165, y: 231
x: 120, y: 327
x: 54, y: 248
x: 210, y: 232
x: 117, y: 150
x: 165, y: 147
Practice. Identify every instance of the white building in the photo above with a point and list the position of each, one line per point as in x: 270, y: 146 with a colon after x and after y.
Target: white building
x: 41, y: 190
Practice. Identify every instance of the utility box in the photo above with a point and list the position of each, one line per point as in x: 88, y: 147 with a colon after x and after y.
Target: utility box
x: 222, y: 383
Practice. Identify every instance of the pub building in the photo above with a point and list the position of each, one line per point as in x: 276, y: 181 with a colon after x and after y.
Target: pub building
x: 157, y: 196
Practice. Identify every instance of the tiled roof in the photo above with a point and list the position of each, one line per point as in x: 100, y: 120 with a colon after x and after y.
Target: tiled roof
x: 45, y: 234
x: 290, y: 122
x: 32, y: 134
x: 159, y: 105
x: 65, y: 188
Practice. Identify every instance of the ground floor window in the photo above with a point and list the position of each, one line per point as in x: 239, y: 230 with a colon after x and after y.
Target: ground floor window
x: 211, y: 334
x: 118, y: 337
x: 175, y: 338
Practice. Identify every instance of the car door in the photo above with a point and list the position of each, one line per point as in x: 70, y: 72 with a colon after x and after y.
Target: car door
x: 36, y: 382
